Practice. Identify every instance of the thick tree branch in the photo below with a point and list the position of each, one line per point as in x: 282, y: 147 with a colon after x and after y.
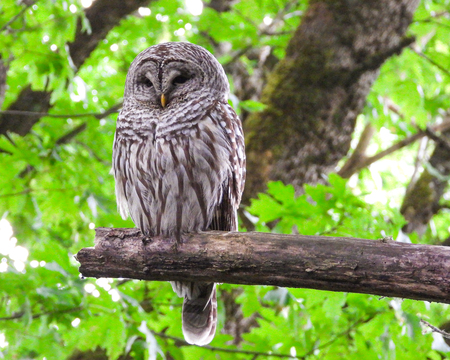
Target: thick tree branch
x: 386, y: 268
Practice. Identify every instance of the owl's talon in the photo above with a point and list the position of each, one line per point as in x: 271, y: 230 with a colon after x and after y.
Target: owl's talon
x: 146, y: 240
x: 180, y: 239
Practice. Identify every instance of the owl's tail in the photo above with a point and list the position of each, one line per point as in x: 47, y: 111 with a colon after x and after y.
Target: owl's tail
x: 199, y: 311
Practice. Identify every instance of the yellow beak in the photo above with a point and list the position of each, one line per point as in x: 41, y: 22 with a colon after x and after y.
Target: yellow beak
x: 163, y: 100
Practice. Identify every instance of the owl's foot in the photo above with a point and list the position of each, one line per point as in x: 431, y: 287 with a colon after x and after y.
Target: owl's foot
x: 146, y: 240
x: 180, y: 239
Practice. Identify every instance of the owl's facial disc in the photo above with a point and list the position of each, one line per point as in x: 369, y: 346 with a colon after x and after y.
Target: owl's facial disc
x: 145, y: 84
x: 179, y: 81
x: 160, y: 84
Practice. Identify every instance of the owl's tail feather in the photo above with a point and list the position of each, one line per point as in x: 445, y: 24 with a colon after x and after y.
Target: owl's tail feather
x: 199, y: 313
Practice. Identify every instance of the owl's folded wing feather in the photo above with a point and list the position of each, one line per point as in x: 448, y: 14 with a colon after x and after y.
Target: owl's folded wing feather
x: 225, y: 216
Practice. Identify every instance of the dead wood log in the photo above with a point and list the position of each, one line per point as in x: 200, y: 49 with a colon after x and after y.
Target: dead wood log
x: 380, y: 267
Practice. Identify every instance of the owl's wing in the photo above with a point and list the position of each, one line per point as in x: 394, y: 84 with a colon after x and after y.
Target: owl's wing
x: 225, y: 216
x: 120, y: 181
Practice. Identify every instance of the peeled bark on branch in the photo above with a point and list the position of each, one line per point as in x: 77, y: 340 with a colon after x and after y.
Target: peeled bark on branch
x: 382, y: 267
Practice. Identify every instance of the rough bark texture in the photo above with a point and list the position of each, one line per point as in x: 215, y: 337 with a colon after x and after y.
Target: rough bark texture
x: 381, y: 267
x: 103, y: 15
x: 421, y: 202
x: 315, y: 93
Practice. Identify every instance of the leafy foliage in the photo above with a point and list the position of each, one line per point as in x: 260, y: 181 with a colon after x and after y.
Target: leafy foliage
x: 54, y: 193
x: 322, y: 210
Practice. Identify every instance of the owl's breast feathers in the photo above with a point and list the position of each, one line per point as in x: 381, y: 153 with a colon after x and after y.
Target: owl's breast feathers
x: 178, y: 172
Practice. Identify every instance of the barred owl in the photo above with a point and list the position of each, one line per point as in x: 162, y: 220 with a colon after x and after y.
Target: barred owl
x: 178, y: 159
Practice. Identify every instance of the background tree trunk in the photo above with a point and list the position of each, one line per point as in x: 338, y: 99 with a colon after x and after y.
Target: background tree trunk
x: 316, y: 92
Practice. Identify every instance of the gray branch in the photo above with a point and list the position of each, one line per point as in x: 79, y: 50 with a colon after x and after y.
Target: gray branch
x: 380, y: 267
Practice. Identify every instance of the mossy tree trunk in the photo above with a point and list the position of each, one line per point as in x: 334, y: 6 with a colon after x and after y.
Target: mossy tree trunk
x: 316, y: 92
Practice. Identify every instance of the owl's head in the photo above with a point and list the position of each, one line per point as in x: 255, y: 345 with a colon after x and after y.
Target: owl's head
x: 168, y: 74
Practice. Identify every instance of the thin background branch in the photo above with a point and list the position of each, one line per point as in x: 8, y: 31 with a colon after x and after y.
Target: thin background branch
x: 19, y: 14
x: 101, y: 115
x: 436, y: 329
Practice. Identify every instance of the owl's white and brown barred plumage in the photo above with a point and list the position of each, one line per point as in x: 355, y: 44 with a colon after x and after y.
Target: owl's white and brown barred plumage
x: 179, y: 160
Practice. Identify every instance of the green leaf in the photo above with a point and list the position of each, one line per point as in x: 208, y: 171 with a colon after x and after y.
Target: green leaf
x: 252, y: 105
x: 105, y: 331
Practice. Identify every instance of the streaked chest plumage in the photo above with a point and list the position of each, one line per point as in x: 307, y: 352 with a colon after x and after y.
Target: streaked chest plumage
x: 175, y: 171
